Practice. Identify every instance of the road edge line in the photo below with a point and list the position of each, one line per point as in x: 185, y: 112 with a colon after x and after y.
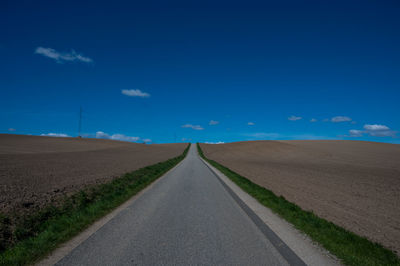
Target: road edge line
x: 309, y: 254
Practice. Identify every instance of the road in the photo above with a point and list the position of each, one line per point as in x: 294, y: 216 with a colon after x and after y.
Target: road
x: 187, y: 218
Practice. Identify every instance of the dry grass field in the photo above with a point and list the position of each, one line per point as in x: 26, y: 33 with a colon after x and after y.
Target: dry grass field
x: 35, y: 171
x: 354, y: 184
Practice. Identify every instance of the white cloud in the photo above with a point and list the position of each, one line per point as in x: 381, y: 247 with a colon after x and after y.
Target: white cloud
x: 146, y: 140
x: 338, y: 119
x: 379, y: 131
x: 262, y: 135
x: 294, y: 118
x: 375, y: 127
x: 213, y: 123
x: 308, y: 137
x: 11, y: 129
x: 356, y: 133
x: 135, y: 93
x: 313, y: 120
x: 374, y: 131
x: 121, y: 137
x: 61, y: 135
x: 250, y: 124
x: 62, y: 57
x: 277, y: 136
x: 195, y: 127
x: 218, y: 142
x: 102, y: 135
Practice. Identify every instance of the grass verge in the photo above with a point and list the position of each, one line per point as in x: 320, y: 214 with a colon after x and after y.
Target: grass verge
x: 350, y: 248
x: 37, y: 235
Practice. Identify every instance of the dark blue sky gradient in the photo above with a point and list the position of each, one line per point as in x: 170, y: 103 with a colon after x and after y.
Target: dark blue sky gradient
x: 231, y: 62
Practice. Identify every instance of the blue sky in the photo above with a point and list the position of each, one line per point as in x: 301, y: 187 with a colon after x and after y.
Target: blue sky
x: 209, y: 71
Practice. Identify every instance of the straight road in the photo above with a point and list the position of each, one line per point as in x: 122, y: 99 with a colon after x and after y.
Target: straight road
x: 187, y: 218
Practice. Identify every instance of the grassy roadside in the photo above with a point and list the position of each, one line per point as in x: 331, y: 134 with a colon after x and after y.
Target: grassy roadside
x: 350, y: 248
x: 37, y: 235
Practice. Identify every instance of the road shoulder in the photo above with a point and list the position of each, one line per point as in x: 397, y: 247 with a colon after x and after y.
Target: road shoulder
x: 308, y: 251
x: 65, y: 248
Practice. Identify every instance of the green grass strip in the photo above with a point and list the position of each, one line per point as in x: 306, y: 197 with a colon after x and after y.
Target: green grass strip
x: 350, y: 248
x: 41, y: 233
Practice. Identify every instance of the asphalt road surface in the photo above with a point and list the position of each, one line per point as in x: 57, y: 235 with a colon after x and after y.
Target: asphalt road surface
x: 187, y: 218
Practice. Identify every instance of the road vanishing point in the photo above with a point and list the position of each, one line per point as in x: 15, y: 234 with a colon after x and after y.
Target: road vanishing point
x: 188, y: 217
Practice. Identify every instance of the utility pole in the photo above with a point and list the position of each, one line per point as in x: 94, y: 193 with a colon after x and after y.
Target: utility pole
x: 80, y: 123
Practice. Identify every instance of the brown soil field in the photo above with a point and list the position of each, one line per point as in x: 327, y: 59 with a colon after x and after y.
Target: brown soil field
x: 35, y: 171
x: 354, y: 184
